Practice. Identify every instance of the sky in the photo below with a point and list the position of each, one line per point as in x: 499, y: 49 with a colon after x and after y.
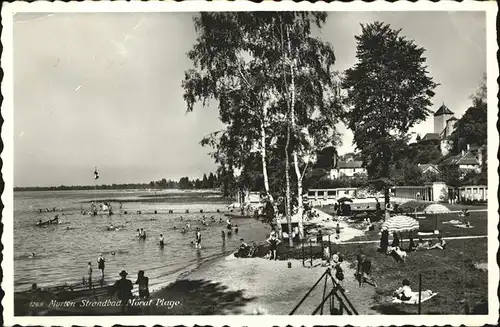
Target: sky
x: 104, y: 89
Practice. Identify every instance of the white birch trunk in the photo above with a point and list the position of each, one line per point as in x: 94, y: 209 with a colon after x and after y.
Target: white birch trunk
x: 300, y: 208
x: 263, y: 149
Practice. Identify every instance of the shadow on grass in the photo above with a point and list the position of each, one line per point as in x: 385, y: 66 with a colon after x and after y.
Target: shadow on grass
x: 200, y: 297
x: 389, y: 309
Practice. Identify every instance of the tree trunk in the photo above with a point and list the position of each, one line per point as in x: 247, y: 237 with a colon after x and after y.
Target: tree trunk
x: 288, y: 207
x: 300, y: 208
x: 263, y: 150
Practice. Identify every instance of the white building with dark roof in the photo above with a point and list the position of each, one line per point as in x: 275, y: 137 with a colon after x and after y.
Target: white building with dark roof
x: 347, y: 168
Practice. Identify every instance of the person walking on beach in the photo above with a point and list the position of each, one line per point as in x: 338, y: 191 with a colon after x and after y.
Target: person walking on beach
x: 100, y: 264
x: 89, y: 271
x: 384, y: 240
x: 123, y: 289
x: 236, y: 229
x: 223, y: 235
x: 162, y: 242
x: 198, y: 238
x: 273, y: 247
x: 143, y: 283
x: 395, y: 240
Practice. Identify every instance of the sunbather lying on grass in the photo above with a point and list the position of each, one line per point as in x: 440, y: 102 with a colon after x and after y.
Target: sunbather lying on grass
x: 440, y: 244
x: 405, y: 293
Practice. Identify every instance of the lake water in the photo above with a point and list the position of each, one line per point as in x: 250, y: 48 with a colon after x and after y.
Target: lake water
x: 63, y: 250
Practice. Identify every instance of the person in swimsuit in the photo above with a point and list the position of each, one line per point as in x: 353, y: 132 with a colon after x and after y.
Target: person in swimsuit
x: 162, y: 242
x: 143, y: 283
x: 273, y: 243
x: 236, y: 228
x: 100, y: 264
x: 198, y: 238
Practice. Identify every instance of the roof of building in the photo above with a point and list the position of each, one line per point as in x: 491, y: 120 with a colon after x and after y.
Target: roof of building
x: 452, y: 118
x: 350, y: 164
x: 443, y: 110
x: 424, y: 167
x: 430, y: 137
x: 466, y: 159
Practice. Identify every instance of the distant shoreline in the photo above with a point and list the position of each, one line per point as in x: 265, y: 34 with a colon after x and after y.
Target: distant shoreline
x: 107, y: 188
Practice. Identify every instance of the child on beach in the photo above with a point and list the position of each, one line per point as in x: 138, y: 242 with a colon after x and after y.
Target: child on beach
x: 326, y: 253
x: 89, y: 271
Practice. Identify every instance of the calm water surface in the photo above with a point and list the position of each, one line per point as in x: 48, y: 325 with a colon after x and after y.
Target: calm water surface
x: 63, y: 250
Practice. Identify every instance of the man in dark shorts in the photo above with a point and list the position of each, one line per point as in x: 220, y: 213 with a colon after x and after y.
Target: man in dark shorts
x: 123, y: 289
x: 273, y: 247
x: 100, y: 264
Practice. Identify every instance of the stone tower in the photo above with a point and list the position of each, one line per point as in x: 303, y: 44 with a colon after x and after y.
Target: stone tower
x: 440, y: 118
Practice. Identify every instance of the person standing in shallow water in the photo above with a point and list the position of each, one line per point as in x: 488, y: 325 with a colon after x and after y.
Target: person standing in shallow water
x: 100, y: 264
x: 123, y: 289
x: 198, y: 239
x: 162, y: 241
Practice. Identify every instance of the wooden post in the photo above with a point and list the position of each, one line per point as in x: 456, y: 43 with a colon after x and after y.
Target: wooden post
x: 420, y: 293
x: 303, y: 254
x: 324, y: 293
x: 341, y: 306
x: 310, y: 250
x: 329, y: 247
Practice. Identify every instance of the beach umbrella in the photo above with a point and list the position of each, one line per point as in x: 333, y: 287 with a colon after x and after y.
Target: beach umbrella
x: 344, y: 199
x: 401, y: 224
x: 436, y: 208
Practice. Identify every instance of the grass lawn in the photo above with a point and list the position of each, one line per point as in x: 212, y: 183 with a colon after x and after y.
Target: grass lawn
x: 437, y: 221
x: 451, y: 273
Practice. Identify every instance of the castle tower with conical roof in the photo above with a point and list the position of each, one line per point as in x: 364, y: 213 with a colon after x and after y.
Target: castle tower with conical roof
x: 440, y: 118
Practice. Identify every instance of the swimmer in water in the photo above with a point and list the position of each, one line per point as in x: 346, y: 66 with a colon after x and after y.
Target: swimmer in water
x: 32, y: 255
x: 162, y: 242
x: 175, y: 228
x: 188, y: 226
x: 183, y: 230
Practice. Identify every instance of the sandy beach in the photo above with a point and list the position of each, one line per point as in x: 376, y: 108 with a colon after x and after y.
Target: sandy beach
x: 259, y: 286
